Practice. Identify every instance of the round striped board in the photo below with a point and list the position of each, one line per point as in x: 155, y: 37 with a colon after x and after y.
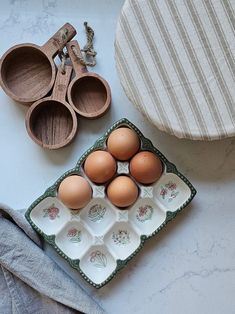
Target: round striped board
x: 176, y: 63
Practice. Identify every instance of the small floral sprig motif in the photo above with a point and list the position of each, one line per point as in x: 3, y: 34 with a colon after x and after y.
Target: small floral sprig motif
x: 163, y: 192
x: 51, y: 212
x: 98, y: 259
x: 96, y: 212
x: 170, y: 190
x: 144, y: 213
x: 171, y: 185
x: 74, y: 235
x: 122, y: 237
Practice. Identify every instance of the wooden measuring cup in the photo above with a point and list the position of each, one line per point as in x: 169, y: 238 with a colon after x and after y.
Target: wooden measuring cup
x: 27, y: 71
x: 88, y: 93
x: 51, y: 122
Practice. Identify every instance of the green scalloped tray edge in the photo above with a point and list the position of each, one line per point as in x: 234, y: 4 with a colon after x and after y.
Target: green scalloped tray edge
x: 51, y: 192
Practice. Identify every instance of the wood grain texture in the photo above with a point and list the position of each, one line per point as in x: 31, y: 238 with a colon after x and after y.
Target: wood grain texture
x: 88, y: 93
x: 27, y: 71
x: 51, y: 122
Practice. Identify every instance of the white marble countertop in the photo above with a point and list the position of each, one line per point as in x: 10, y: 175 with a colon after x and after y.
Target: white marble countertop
x: 190, y: 266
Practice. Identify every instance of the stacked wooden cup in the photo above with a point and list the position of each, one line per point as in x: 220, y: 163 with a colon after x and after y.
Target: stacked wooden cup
x: 29, y: 75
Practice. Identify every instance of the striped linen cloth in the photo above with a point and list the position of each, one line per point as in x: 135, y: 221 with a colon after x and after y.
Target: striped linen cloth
x: 175, y: 60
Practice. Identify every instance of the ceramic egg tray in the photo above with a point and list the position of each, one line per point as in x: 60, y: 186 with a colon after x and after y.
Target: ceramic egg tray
x: 100, y: 239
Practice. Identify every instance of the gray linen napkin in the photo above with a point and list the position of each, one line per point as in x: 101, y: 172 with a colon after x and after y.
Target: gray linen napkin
x: 30, y: 282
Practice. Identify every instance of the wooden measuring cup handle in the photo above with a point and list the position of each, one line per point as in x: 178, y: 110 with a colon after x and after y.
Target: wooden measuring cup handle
x: 61, y: 84
x: 79, y: 68
x: 59, y: 40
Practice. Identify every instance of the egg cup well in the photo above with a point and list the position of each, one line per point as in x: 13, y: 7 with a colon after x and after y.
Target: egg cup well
x: 99, y: 239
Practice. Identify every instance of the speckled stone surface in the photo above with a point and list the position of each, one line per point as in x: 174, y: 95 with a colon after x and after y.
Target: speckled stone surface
x: 190, y: 266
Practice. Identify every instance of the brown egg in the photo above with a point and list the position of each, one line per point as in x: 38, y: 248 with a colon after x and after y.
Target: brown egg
x: 122, y: 191
x: 123, y: 143
x: 75, y: 192
x: 100, y: 166
x: 146, y: 167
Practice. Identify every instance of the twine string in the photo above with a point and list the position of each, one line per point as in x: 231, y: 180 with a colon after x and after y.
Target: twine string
x: 88, y: 48
x: 63, y: 37
x: 63, y: 57
x: 89, y: 53
x: 78, y: 55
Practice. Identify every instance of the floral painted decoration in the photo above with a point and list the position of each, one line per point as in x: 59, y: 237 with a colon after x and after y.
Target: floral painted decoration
x: 144, y: 213
x: 98, y: 259
x: 96, y: 212
x: 121, y: 237
x: 74, y: 235
x: 169, y: 190
x: 51, y: 212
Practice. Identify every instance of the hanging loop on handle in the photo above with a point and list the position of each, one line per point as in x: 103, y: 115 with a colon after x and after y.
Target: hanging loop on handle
x: 74, y: 53
x: 63, y: 57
